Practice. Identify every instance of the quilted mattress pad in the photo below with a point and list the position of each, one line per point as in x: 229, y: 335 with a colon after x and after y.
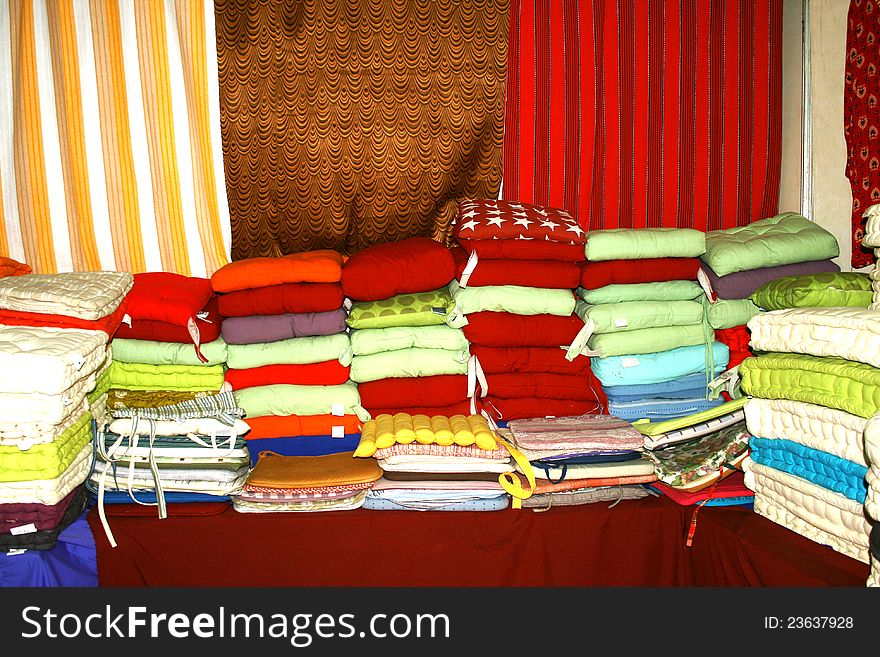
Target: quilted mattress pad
x: 47, y: 409
x: 337, y: 504
x: 48, y: 360
x: 827, y: 429
x: 139, y: 376
x: 15, y: 518
x: 49, y: 460
x: 214, y: 481
x: 832, y: 382
x: 845, y: 332
x: 872, y: 442
x: 810, y: 507
x: 86, y: 295
x: 872, y: 227
x: 46, y: 539
x: 49, y: 491
x: 25, y: 434
x: 872, y: 501
x: 198, y: 426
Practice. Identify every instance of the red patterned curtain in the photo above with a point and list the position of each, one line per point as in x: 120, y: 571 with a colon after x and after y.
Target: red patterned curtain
x: 861, y: 117
x: 631, y: 113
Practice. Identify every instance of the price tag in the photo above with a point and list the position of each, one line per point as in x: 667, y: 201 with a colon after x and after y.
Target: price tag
x: 629, y: 362
x: 338, y: 410
x: 620, y: 322
x: 337, y: 431
x: 30, y: 528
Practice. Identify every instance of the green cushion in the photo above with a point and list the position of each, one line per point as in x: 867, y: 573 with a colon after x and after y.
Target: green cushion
x: 727, y: 313
x: 657, y: 428
x: 293, y: 351
x: 633, y: 315
x: 824, y: 290
x: 422, y: 309
x: 283, y: 399
x: 139, y: 376
x: 833, y: 382
x: 405, y: 363
x: 168, y: 353
x: 648, y: 340
x: 372, y: 341
x: 662, y: 291
x: 780, y: 240
x: 514, y: 299
x: 48, y: 460
x: 636, y: 243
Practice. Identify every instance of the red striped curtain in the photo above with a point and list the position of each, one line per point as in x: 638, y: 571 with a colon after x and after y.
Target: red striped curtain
x: 633, y: 113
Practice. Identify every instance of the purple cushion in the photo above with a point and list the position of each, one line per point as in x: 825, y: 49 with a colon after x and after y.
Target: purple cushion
x: 271, y: 328
x: 741, y: 284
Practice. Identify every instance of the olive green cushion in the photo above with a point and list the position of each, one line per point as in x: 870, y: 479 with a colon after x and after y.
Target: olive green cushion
x: 825, y: 290
x: 421, y: 309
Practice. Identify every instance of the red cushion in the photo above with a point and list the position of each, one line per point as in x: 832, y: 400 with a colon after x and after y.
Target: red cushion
x: 530, y: 273
x: 439, y: 390
x: 280, y: 299
x: 525, y: 407
x: 528, y: 359
x: 148, y: 329
x: 545, y: 385
x: 109, y: 323
x: 416, y: 264
x: 459, y: 408
x: 524, y: 250
x: 328, y: 373
x: 737, y: 340
x: 646, y: 270
x: 509, y: 330
x: 491, y: 219
x: 167, y: 297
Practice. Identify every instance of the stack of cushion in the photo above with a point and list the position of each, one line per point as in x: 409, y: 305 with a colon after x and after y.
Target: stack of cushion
x: 645, y: 330
x: 814, y: 387
x: 738, y: 261
x: 872, y: 241
x: 580, y: 460
x: 47, y: 407
x: 435, y: 463
x: 186, y: 455
x: 406, y: 356
x: 516, y: 267
x: 288, y: 352
x: 328, y: 482
x: 872, y: 499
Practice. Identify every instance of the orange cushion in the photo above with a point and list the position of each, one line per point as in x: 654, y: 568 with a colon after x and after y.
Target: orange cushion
x: 10, y: 267
x: 323, y: 266
x: 287, y: 426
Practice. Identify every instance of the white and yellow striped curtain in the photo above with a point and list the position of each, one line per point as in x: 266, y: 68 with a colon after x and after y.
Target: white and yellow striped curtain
x: 110, y: 147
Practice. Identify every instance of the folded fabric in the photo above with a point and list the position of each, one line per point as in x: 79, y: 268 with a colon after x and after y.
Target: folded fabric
x: 690, y: 385
x: 681, y: 465
x: 497, y: 271
x: 402, y: 500
x: 826, y: 429
x: 741, y: 284
x: 208, y: 321
x: 282, y: 299
x: 783, y: 239
x: 673, y: 290
x: 634, y: 244
x: 10, y: 267
x: 48, y: 360
x: 731, y: 489
x: 380, y: 340
x: 317, y: 445
x: 167, y: 297
x: 139, y: 376
x: 727, y: 313
x: 499, y: 360
x: 832, y: 382
x: 647, y: 340
x: 346, y: 503
x: 543, y: 385
x: 86, y: 295
x: 301, y: 400
x: 517, y: 249
x: 16, y: 518
x: 276, y: 471
x: 417, y: 309
x: 438, y: 390
x: 436, y: 450
x: 635, y: 315
x: 321, y: 266
x: 491, y: 219
x: 641, y: 467
x: 660, y: 366
x: 503, y: 329
x: 528, y: 407
x: 578, y: 497
x: 272, y: 328
x: 448, y: 410
x: 513, y: 299
x: 293, y: 351
x: 821, y: 468
x: 417, y: 479
x: 583, y: 432
x: 109, y: 324
x: 327, y: 373
x: 281, y: 426
x: 45, y: 539
x: 119, y: 398
x: 405, y: 363
x: 416, y: 264
x: 595, y: 275
x: 697, y: 424
x: 151, y: 352
x: 49, y: 460
x: 850, y: 333
x: 737, y: 340
x: 387, y: 430
x: 658, y: 410
x: 826, y: 289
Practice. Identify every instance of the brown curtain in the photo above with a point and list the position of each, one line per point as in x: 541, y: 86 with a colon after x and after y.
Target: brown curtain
x: 349, y: 123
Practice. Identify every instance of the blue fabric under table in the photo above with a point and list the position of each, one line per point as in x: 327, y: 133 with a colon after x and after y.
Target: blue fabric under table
x: 72, y: 562
x: 303, y: 445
